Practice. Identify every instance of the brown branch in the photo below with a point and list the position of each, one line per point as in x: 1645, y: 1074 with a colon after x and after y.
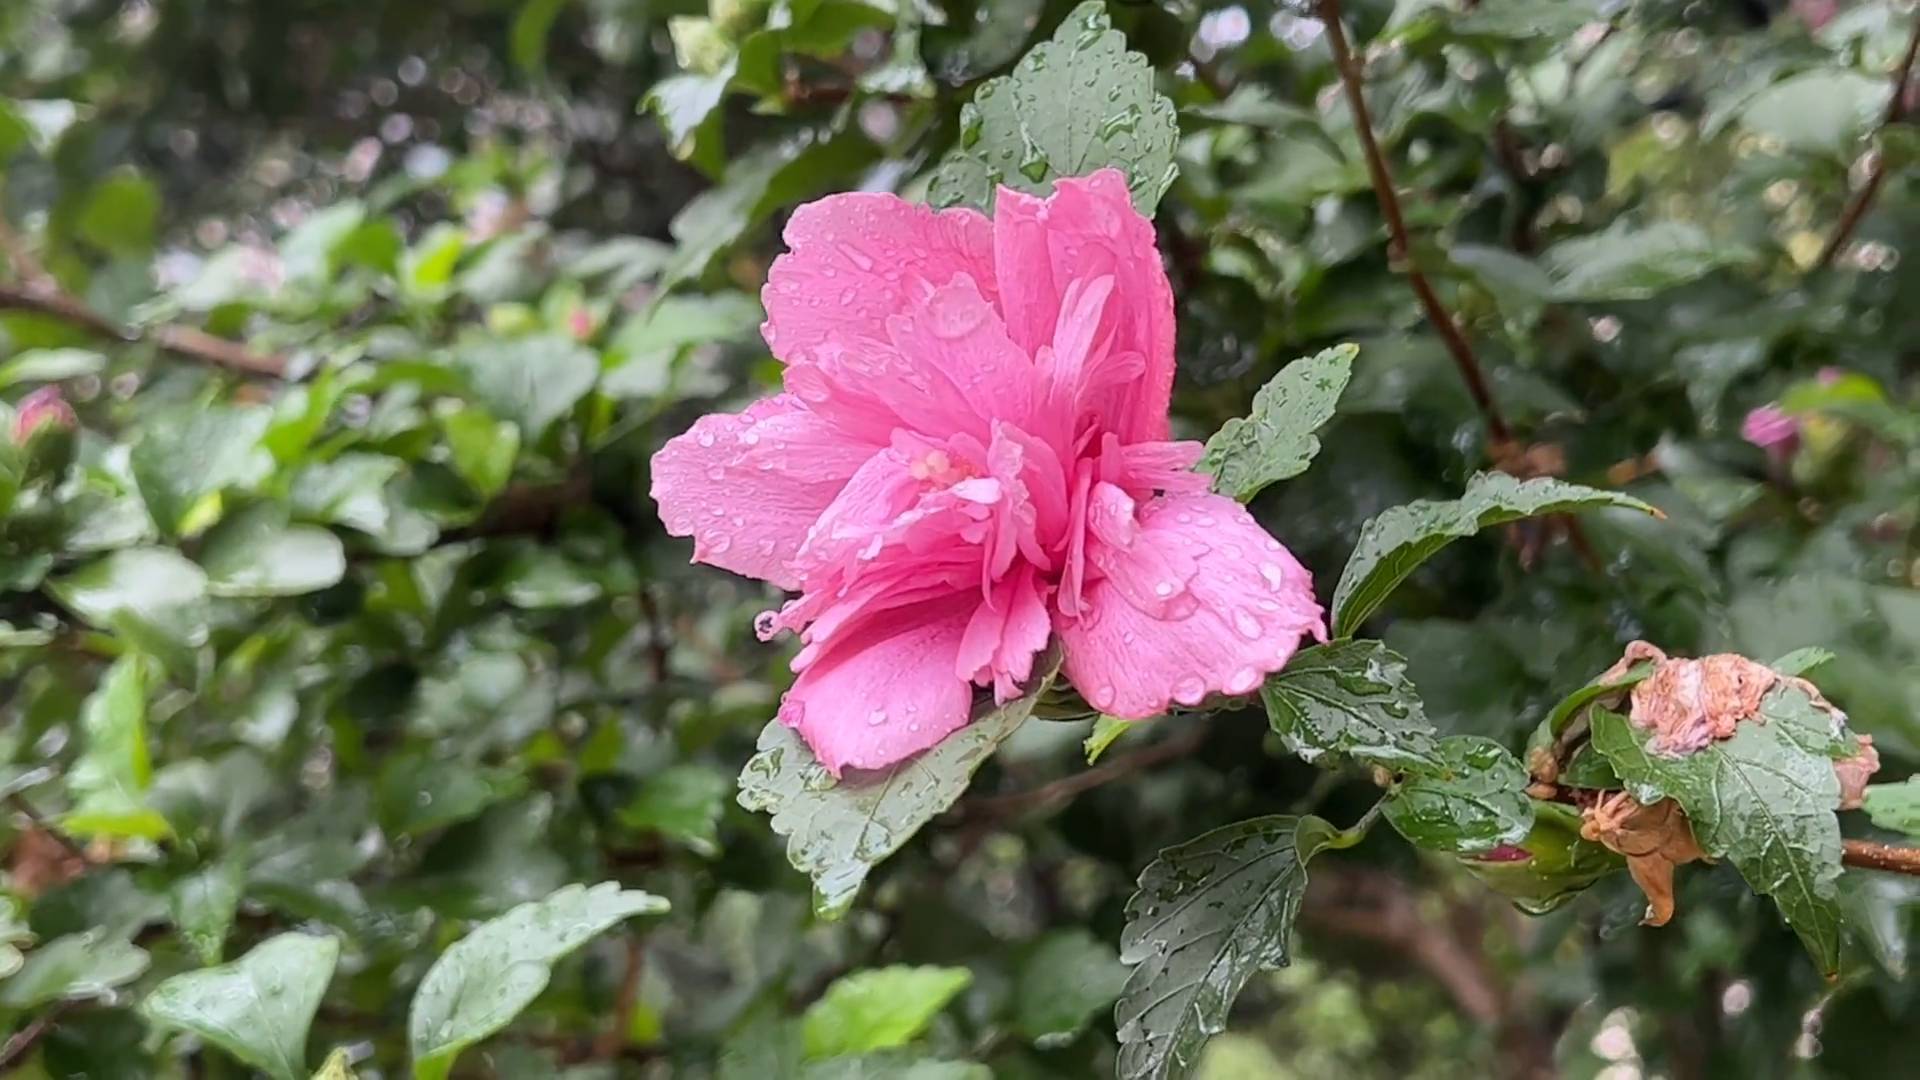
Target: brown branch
x: 72, y: 846
x: 187, y: 342
x: 607, y: 1044
x: 1871, y: 855
x: 15, y: 1052
x: 1019, y: 802
x: 1400, y: 245
x: 1862, y: 200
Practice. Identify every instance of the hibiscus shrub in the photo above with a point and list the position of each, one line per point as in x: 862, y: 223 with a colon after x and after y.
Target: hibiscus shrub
x: 957, y: 539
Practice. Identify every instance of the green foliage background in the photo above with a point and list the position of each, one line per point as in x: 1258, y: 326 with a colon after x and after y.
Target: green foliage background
x: 341, y: 630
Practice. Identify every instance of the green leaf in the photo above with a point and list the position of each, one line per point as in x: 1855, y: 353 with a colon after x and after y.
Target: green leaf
x: 879, y: 1009
x: 1895, y: 806
x: 188, y: 455
x: 528, y: 39
x: 51, y: 365
x: 1106, y: 729
x: 257, y: 1008
x: 1068, y: 977
x: 838, y: 832
x: 481, y: 449
x: 256, y: 553
x: 119, y: 214
x: 1478, y: 804
x: 894, y: 1065
x: 417, y: 793
x: 73, y: 968
x: 683, y: 802
x: 1800, y: 661
x: 338, y: 1066
x: 109, y: 780
x: 531, y: 381
x: 1073, y: 105
x: 1763, y: 799
x: 350, y: 490
x: 1276, y: 441
x: 1825, y: 111
x: 1629, y: 263
x: 148, y: 594
x: 1352, y: 699
x: 203, y: 905
x: 678, y: 321
x: 1394, y: 544
x: 483, y: 981
x: 1525, y: 20
x: 1209, y: 914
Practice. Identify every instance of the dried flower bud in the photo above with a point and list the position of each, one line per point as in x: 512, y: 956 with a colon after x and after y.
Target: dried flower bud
x: 1654, y: 839
x: 1854, y: 772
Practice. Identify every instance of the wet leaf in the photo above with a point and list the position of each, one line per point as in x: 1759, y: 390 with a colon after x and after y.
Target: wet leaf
x: 1275, y: 440
x: 1476, y: 804
x: 1761, y: 799
x: 1895, y: 806
x: 1209, y: 915
x: 257, y: 1008
x: 1395, y: 543
x: 483, y: 980
x: 1073, y: 105
x: 1352, y: 699
x: 74, y: 967
x: 838, y: 832
x: 109, y: 780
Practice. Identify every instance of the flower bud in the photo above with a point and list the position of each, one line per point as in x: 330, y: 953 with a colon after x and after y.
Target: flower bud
x: 43, y: 407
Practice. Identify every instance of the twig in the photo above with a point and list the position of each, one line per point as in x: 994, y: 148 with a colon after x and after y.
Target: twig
x: 658, y: 656
x: 23, y: 1041
x: 1067, y: 787
x: 607, y: 1044
x: 1862, y: 200
x: 183, y: 341
x: 1871, y: 855
x: 19, y: 803
x: 1400, y: 246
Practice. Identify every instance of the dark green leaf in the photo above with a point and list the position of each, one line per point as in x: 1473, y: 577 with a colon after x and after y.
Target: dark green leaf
x: 1761, y: 799
x: 1352, y: 699
x: 1395, y: 543
x: 683, y: 802
x: 1208, y: 915
x: 187, y: 456
x: 1068, y: 977
x: 1625, y: 263
x: 531, y: 381
x: 1479, y: 803
x: 1076, y: 104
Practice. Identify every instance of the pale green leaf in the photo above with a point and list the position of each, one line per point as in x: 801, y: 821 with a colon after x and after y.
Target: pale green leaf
x: 838, y: 831
x: 531, y: 381
x: 1895, y: 806
x: 879, y: 1009
x: 1068, y: 977
x: 256, y: 553
x: 109, y: 780
x: 257, y: 1008
x: 73, y: 968
x: 485, y: 979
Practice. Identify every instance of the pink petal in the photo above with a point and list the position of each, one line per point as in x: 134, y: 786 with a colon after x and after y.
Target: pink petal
x: 1049, y: 257
x: 854, y: 261
x: 1237, y: 619
x: 1004, y: 635
x: 887, y: 689
x: 748, y: 486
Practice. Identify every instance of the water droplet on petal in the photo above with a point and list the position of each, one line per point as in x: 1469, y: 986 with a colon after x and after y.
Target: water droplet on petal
x: 1163, y: 589
x: 1243, y: 680
x: 1249, y: 626
x: 705, y: 438
x: 876, y: 717
x: 1102, y: 696
x: 1189, y: 690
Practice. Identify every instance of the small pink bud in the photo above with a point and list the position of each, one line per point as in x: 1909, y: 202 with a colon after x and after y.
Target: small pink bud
x: 580, y: 324
x: 1830, y: 374
x: 43, y: 406
x: 1815, y: 13
x: 1505, y: 853
x: 1771, y: 429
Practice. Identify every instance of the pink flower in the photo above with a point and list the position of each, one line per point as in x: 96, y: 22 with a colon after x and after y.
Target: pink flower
x: 971, y: 457
x: 1771, y: 429
x: 43, y: 406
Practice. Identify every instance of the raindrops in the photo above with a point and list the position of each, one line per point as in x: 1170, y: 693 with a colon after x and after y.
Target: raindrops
x: 1248, y: 625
